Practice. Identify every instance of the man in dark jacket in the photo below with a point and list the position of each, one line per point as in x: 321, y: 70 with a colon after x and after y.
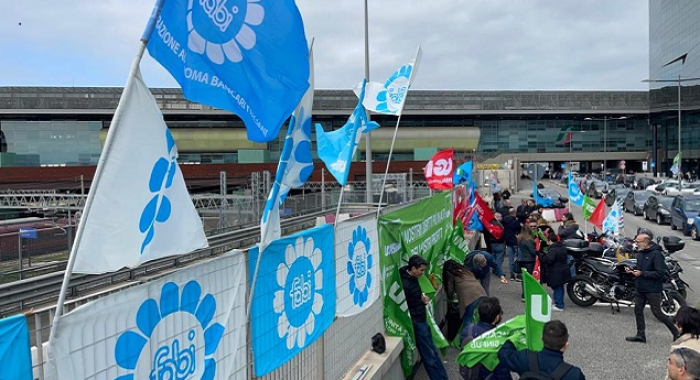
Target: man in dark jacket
x: 496, y: 246
x: 511, y: 229
x: 556, y: 340
x: 568, y: 227
x: 416, y: 301
x: 650, y: 272
x: 523, y: 211
x: 481, y: 263
x: 490, y: 315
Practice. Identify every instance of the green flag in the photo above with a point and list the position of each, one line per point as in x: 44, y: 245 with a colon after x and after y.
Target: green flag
x: 676, y: 164
x: 457, y: 244
x: 588, y: 207
x: 484, y: 348
x: 538, y: 311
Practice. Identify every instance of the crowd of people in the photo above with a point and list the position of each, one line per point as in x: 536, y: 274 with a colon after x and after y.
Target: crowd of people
x: 528, y: 238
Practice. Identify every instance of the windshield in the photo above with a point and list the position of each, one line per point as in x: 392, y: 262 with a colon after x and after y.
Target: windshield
x: 642, y: 195
x: 692, y: 205
x: 666, y: 202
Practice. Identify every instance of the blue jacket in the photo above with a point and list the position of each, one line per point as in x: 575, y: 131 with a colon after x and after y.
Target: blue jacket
x: 500, y: 372
x: 548, y: 360
x: 482, y: 272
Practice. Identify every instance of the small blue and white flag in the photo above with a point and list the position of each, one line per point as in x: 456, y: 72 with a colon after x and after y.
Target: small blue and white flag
x: 463, y: 173
x: 389, y: 98
x: 575, y: 196
x: 356, y: 265
x: 247, y: 57
x: 295, y: 165
x: 15, y: 351
x: 138, y: 208
x: 613, y: 221
x: 336, y: 148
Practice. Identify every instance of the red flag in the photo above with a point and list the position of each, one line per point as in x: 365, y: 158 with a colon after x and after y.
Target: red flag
x: 439, y: 171
x: 598, y: 215
x: 536, y: 270
x: 486, y: 217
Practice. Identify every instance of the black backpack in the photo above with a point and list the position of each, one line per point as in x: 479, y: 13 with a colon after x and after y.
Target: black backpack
x: 378, y: 343
x: 534, y: 372
x: 471, y: 373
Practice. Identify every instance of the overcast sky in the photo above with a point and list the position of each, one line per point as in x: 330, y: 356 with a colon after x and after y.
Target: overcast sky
x: 470, y: 45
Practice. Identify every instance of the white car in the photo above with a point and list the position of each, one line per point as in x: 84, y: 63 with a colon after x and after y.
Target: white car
x: 672, y: 190
x: 660, y: 187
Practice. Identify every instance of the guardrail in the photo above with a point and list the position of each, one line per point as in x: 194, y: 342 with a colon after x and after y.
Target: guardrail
x: 37, y: 292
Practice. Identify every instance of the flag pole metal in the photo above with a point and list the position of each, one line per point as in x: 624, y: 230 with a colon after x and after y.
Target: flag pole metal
x: 368, y: 138
x: 386, y: 171
x: 150, y: 26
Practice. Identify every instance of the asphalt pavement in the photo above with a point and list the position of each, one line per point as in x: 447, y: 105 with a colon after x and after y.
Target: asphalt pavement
x: 597, y: 335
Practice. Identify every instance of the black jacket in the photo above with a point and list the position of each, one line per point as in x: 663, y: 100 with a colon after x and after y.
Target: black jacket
x: 568, y: 230
x: 490, y: 239
x: 522, y: 212
x: 653, y: 266
x: 511, y: 229
x: 555, y: 262
x: 527, y: 251
x: 548, y: 360
x: 413, y: 295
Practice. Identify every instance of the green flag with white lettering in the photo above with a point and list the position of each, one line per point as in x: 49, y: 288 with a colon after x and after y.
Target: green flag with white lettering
x: 588, y: 207
x: 484, y: 348
x: 538, y: 311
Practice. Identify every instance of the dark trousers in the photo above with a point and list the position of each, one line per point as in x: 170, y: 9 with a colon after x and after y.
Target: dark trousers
x: 428, y: 352
x: 654, y: 301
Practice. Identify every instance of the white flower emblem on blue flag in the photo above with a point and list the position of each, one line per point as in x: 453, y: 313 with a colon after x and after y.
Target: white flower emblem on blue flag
x: 245, y: 56
x: 389, y: 98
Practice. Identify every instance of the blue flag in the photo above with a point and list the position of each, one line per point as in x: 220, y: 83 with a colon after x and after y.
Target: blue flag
x: 295, y: 296
x: 463, y: 173
x: 15, y: 353
x: 575, y: 196
x: 247, y: 57
x: 336, y: 148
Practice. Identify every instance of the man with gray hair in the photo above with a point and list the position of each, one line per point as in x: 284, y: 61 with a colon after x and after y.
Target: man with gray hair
x: 683, y: 364
x: 480, y: 263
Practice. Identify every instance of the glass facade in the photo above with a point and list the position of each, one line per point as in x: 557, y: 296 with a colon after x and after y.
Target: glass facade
x: 674, y: 31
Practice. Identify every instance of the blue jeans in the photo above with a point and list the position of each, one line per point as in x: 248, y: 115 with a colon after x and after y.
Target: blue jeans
x: 512, y: 250
x: 558, y: 296
x: 486, y: 282
x: 498, y: 250
x: 428, y: 352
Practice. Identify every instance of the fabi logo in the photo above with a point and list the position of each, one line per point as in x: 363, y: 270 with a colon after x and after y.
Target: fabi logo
x: 179, y: 355
x: 359, y: 263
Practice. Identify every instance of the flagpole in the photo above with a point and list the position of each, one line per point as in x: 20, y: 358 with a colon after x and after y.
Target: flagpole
x: 388, y: 161
x: 100, y: 166
x: 340, y: 200
x: 396, y: 129
x: 368, y: 138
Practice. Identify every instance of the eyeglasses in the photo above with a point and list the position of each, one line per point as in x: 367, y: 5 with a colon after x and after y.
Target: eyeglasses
x: 679, y: 353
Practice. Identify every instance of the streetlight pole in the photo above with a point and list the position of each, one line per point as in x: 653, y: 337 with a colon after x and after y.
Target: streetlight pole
x: 605, y: 137
x: 368, y: 140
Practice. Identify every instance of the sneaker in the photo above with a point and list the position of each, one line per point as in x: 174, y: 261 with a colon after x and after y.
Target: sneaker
x: 555, y: 308
x: 512, y: 277
x: 518, y: 279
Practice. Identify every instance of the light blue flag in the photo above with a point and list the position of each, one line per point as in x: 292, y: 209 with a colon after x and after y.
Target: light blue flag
x: 295, y: 165
x: 575, y: 196
x: 15, y: 353
x: 336, y: 148
x: 389, y: 97
x: 463, y: 173
x: 247, y: 57
x: 295, y: 296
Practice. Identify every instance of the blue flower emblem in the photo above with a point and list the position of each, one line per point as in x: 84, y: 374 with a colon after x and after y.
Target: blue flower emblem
x: 159, y: 208
x: 575, y: 192
x: 179, y: 356
x: 359, y: 264
x: 391, y: 99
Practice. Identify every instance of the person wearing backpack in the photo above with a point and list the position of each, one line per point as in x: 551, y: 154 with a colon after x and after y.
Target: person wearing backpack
x: 547, y: 364
x: 490, y: 315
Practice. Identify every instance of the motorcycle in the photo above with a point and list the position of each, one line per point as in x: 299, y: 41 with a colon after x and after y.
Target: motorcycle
x: 601, y: 279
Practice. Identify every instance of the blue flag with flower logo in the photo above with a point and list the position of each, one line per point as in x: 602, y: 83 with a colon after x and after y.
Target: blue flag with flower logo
x: 575, y: 195
x: 389, y: 97
x: 247, y: 57
x: 293, y: 302
x: 15, y: 353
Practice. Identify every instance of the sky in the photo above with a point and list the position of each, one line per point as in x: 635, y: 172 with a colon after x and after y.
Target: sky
x: 467, y: 45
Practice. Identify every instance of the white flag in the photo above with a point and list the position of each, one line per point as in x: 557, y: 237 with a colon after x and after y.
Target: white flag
x: 612, y: 222
x: 356, y: 265
x: 140, y: 208
x: 187, y: 325
x: 389, y: 98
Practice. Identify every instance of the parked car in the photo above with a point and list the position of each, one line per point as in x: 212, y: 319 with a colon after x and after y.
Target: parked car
x: 684, y: 209
x: 630, y: 180
x: 673, y: 190
x: 661, y: 187
x: 658, y: 207
x: 596, y: 189
x: 644, y: 182
x: 615, y: 192
x: 634, y: 201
